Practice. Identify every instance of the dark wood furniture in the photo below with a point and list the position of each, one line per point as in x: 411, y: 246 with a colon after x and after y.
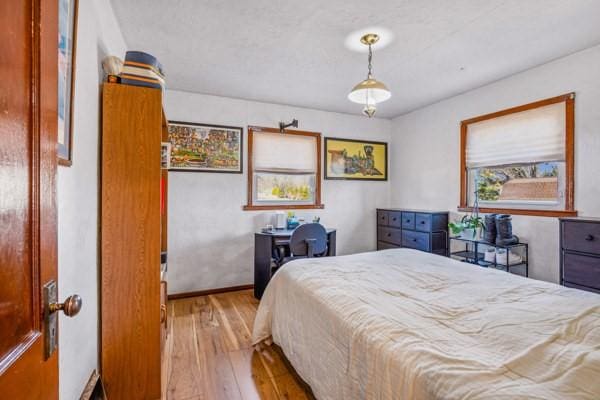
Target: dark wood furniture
x: 133, y: 299
x: 473, y: 254
x: 264, y: 245
x: 580, y: 253
x: 416, y: 229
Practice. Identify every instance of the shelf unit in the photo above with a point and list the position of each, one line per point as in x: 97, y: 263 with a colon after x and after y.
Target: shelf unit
x: 473, y: 254
x: 133, y: 295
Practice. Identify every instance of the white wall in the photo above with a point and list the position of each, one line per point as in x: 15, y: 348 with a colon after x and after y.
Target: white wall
x: 211, y: 239
x: 98, y: 36
x: 425, y: 151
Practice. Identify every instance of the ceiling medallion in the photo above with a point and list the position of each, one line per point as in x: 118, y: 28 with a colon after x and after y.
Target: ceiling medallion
x: 370, y: 91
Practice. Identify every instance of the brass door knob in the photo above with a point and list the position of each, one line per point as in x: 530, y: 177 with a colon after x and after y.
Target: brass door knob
x: 70, y: 307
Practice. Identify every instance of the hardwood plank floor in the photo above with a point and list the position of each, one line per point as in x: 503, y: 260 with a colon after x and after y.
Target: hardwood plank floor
x: 209, y: 353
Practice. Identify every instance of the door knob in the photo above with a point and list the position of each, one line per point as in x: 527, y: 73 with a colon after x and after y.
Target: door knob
x: 70, y: 307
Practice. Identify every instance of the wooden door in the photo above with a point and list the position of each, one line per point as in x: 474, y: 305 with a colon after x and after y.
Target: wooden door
x: 28, y: 129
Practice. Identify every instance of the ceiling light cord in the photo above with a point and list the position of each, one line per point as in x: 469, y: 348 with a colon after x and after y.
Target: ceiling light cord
x: 370, y: 73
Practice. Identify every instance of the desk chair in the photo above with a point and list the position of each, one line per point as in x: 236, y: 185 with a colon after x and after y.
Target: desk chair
x: 307, y: 241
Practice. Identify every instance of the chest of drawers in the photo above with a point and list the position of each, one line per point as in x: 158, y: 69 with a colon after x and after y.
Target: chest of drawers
x: 417, y: 229
x: 580, y: 253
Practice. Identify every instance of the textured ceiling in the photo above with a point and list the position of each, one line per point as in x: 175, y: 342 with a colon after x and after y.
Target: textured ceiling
x: 294, y: 52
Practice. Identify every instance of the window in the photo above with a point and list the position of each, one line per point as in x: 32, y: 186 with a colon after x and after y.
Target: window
x: 520, y: 160
x: 284, y: 169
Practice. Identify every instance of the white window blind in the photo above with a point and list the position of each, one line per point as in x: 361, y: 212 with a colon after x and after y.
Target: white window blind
x: 536, y: 135
x: 274, y: 152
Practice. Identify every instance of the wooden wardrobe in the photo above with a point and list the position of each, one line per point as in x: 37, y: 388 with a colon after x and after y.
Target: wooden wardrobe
x: 133, y: 235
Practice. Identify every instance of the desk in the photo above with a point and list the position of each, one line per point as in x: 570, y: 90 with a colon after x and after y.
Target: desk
x: 264, y: 243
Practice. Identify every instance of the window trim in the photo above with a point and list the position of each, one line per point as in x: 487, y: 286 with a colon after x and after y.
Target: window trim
x: 253, y: 207
x: 569, y: 210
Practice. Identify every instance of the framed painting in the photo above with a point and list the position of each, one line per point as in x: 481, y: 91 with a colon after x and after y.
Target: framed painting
x: 355, y: 160
x: 205, y: 147
x: 67, y: 41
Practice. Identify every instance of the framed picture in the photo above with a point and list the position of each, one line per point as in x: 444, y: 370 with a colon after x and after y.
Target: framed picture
x: 205, y: 148
x: 165, y: 155
x: 355, y: 160
x: 67, y: 41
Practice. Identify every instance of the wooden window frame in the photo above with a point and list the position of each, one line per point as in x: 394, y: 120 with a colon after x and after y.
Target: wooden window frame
x: 253, y: 207
x: 569, y: 210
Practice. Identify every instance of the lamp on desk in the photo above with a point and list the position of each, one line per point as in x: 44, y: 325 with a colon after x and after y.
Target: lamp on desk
x: 280, y: 220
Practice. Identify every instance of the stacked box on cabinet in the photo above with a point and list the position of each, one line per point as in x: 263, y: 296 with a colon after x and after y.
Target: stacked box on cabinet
x: 142, y: 69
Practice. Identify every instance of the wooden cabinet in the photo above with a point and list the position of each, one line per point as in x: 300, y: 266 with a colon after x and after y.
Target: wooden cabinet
x: 580, y: 253
x: 133, y: 234
x: 416, y: 229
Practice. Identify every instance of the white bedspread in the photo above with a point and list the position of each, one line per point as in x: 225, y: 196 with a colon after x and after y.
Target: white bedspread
x: 402, y: 324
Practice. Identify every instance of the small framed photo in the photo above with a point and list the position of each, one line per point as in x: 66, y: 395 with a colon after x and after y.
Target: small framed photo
x: 67, y: 44
x: 165, y: 155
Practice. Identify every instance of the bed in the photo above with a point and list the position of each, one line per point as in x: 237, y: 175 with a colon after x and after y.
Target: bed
x: 404, y: 324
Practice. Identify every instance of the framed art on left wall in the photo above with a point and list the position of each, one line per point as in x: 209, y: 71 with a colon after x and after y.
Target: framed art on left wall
x: 67, y: 42
x: 206, y: 147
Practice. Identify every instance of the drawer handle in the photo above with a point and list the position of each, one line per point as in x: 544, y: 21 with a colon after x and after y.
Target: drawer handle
x: 414, y: 240
x: 423, y: 222
x: 389, y: 234
x: 589, y: 238
x: 408, y: 221
x: 393, y: 219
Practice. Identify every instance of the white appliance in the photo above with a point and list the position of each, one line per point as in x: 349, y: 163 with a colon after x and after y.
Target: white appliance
x: 280, y: 220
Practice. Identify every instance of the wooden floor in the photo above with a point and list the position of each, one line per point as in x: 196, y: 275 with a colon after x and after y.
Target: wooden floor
x: 209, y: 353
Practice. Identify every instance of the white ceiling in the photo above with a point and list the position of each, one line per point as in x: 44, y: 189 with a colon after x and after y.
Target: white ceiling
x: 293, y: 52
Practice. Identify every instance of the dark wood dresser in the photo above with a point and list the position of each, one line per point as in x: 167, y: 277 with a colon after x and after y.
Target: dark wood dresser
x: 417, y: 229
x: 580, y: 253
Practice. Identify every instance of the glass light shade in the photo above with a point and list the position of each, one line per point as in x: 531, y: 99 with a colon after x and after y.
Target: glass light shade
x: 369, y: 91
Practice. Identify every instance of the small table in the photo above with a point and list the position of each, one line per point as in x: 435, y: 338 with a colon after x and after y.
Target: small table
x: 264, y: 243
x: 472, y: 254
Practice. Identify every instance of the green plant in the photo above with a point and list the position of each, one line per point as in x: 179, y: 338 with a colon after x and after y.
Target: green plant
x: 466, y: 222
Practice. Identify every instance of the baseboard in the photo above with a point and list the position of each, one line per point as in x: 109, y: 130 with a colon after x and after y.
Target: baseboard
x: 198, y: 293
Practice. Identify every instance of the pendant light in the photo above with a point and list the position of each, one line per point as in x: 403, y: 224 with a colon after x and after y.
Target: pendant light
x: 370, y: 91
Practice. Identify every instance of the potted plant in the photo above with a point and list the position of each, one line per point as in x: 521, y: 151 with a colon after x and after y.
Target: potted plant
x: 469, y: 227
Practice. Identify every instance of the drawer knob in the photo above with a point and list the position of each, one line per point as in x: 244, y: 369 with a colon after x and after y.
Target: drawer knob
x: 414, y: 240
x: 393, y: 219
x: 589, y: 238
x: 389, y: 234
x: 408, y: 221
x: 423, y: 222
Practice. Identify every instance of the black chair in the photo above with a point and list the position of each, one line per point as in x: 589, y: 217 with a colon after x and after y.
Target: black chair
x: 307, y: 241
